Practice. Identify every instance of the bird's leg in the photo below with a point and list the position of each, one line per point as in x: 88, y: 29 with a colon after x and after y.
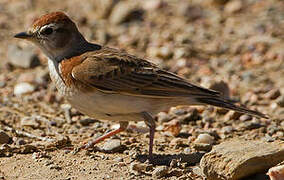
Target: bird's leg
x: 149, y: 120
x: 122, y: 127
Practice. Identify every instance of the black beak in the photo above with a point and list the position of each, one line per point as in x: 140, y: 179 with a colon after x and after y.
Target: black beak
x: 23, y: 35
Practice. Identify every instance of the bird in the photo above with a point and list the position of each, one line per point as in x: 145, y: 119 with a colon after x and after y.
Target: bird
x: 110, y: 84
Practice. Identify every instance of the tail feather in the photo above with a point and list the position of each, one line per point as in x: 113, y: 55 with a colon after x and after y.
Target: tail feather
x: 223, y: 103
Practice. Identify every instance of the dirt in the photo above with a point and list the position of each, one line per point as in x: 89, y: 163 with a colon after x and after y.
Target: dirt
x: 235, y: 46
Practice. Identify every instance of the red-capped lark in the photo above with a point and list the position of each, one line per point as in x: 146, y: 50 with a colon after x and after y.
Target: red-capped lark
x: 109, y: 84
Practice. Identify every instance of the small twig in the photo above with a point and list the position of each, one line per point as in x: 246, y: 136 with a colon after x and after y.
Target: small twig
x: 22, y: 133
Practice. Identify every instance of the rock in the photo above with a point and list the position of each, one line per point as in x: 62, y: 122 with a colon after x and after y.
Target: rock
x: 245, y: 117
x: 173, y: 126
x: 187, y: 150
x: 227, y: 129
x: 163, y: 117
x: 23, y: 88
x: 22, y: 57
x: 237, y: 159
x: 39, y: 155
x: 118, y: 159
x: 5, y: 150
x: 232, y: 115
x: 87, y: 121
x: 233, y: 6
x: 20, y: 141
x: 4, y: 138
x: 140, y: 167
x: 62, y: 141
x: 165, y: 52
x: 152, y: 4
x: 280, y: 101
x: 205, y: 139
x: 277, y: 172
x: 31, y: 121
x: 198, y: 171
x: 160, y: 171
x: 221, y: 87
x: 202, y: 147
x: 249, y: 125
x: 126, y: 11
x: 272, y: 94
x: 26, y: 149
x: 112, y: 145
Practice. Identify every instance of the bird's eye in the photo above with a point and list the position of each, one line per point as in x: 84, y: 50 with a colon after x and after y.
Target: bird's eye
x: 47, y: 31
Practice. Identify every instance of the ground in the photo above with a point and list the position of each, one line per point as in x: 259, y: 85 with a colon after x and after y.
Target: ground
x: 233, y: 46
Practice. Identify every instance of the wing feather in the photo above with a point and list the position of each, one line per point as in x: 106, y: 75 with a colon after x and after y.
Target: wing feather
x: 116, y: 72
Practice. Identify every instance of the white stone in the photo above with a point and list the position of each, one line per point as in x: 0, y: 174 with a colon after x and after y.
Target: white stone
x: 23, y: 88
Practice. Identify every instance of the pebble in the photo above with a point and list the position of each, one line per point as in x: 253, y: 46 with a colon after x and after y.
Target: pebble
x: 202, y: 147
x: 160, y: 171
x: 272, y: 94
x: 22, y: 57
x: 163, y: 117
x: 233, y: 6
x: 232, y: 115
x: 221, y: 87
x: 205, y: 139
x: 125, y: 11
x: 4, y: 138
x: 249, y: 125
x: 23, y: 88
x: 280, y: 101
x: 20, y: 141
x: 187, y: 150
x: 87, y: 121
x: 227, y: 129
x: 245, y: 117
x: 26, y: 149
x: 118, y: 159
x: 39, y: 155
x: 173, y: 126
x: 140, y: 167
x: 30, y: 121
x: 152, y: 4
x: 112, y: 145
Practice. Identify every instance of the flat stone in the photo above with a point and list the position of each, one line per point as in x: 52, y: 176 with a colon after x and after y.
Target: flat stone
x: 237, y: 158
x: 112, y: 145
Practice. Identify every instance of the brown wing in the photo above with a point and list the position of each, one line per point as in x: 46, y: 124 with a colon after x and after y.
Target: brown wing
x: 118, y: 72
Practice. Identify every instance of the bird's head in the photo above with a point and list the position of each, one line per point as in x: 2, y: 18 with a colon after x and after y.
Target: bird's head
x: 55, y: 34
